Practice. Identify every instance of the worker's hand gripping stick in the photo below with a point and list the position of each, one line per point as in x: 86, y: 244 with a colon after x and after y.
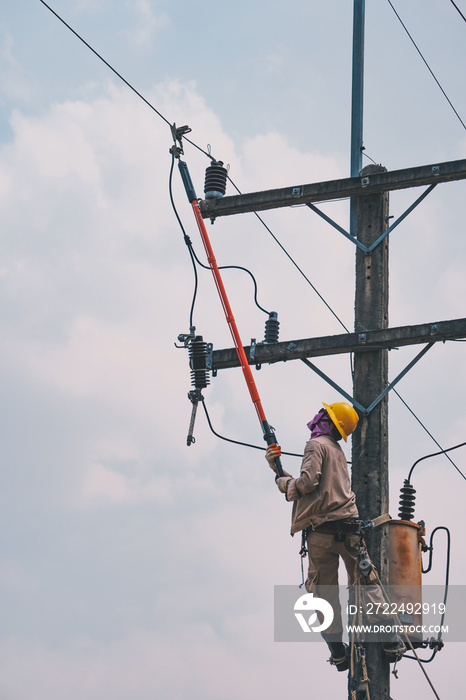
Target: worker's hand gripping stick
x: 267, y: 431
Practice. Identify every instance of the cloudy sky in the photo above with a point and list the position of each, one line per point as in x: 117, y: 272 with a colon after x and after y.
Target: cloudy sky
x: 131, y: 565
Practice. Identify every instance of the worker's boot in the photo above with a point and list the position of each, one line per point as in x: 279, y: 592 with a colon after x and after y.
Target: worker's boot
x: 339, y: 655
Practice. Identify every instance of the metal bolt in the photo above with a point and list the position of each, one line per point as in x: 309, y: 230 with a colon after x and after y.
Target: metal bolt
x: 364, y: 181
x: 291, y: 347
x: 362, y: 337
x: 435, y: 170
x: 209, y: 357
x: 296, y: 191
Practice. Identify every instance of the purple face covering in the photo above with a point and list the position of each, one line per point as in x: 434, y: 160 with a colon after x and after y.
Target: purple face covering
x: 321, y: 424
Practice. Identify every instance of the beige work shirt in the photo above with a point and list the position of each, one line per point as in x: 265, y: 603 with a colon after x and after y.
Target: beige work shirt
x: 322, y: 492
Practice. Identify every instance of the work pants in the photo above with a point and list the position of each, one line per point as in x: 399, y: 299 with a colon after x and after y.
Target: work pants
x: 324, y: 553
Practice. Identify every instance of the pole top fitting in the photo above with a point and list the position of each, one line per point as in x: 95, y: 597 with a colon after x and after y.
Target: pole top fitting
x: 177, y: 134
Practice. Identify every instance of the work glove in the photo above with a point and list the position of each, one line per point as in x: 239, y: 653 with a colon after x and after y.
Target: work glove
x: 282, y: 483
x: 272, y: 452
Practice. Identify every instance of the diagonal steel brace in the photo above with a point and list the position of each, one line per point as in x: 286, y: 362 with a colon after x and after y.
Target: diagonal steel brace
x: 374, y: 245
x: 360, y: 407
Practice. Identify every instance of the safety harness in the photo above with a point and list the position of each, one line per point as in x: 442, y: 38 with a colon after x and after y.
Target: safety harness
x: 340, y: 529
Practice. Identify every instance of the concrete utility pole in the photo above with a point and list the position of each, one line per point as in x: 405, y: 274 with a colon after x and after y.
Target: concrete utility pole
x: 368, y: 190
x: 370, y: 440
x: 370, y: 342
x: 357, y: 101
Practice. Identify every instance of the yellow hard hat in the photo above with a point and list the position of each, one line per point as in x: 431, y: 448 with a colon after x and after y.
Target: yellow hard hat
x: 343, y: 416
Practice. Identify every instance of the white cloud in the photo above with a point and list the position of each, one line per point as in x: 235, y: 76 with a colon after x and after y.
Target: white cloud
x: 148, y: 22
x: 271, y: 161
x: 15, y: 81
x: 95, y: 285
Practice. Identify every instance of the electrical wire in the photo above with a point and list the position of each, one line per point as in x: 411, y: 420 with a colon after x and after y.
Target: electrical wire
x: 435, y: 454
x: 429, y: 566
x: 238, y: 442
x: 209, y: 155
x: 427, y: 431
x: 246, y: 444
x: 427, y: 65
x: 294, y: 262
x: 126, y: 82
x: 233, y: 267
x: 445, y: 595
x: 346, y: 329
x: 422, y: 661
x: 189, y: 244
x: 456, y: 6
x: 368, y: 157
x: 195, y: 259
x: 206, y: 153
x: 186, y: 238
x: 106, y: 63
x: 302, y: 273
x: 406, y: 637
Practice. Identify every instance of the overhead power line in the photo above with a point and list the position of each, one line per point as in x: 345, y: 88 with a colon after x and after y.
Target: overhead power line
x: 239, y: 442
x: 126, y: 82
x: 456, y: 6
x: 294, y: 263
x: 193, y: 256
x: 208, y: 154
x: 427, y: 65
x: 106, y: 63
x: 442, y: 451
x: 435, y: 454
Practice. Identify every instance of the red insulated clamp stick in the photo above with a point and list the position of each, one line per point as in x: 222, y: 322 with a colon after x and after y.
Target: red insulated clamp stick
x: 268, y: 433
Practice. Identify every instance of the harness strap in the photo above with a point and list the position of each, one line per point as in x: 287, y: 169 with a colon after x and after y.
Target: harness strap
x: 381, y: 520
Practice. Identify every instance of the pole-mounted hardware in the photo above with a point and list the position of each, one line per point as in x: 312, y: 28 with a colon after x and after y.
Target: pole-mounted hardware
x: 179, y: 131
x: 215, y: 183
x: 267, y: 430
x: 200, y: 363
x: 194, y: 396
